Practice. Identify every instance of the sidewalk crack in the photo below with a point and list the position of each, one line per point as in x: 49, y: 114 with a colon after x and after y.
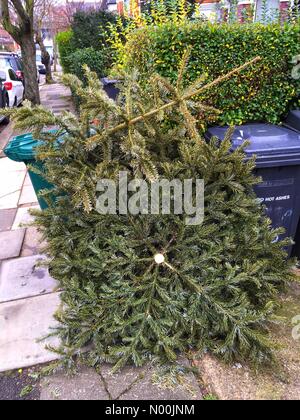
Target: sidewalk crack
x: 139, y: 378
x: 98, y: 370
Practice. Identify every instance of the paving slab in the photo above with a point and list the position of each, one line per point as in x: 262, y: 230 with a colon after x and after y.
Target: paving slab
x: 146, y: 389
x: 22, y: 278
x: 137, y: 384
x: 58, y: 107
x: 22, y: 323
x: 28, y: 195
x: 12, y: 175
x: 6, y: 133
x: 119, y: 382
x: 8, y: 165
x: 85, y: 385
x: 32, y: 244
x: 27, y: 181
x: 11, y: 182
x: 10, y: 200
x: 11, y: 243
x: 7, y: 217
x: 23, y: 217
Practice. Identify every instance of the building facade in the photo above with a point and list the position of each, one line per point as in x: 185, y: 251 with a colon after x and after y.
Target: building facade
x: 6, y: 41
x: 219, y: 10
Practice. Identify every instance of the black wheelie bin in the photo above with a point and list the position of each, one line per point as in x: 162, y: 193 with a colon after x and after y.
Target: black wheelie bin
x: 277, y: 151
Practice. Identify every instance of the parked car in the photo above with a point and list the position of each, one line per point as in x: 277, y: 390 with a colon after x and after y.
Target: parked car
x: 12, y: 60
x: 4, y: 100
x: 40, y: 66
x: 50, y: 51
x: 13, y: 86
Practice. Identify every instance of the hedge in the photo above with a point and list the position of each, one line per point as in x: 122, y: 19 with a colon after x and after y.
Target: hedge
x: 65, y: 47
x: 264, y: 93
x: 90, y: 28
x: 96, y: 60
x: 90, y: 38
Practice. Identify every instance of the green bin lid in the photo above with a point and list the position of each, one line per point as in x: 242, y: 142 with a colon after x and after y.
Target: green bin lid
x: 22, y: 148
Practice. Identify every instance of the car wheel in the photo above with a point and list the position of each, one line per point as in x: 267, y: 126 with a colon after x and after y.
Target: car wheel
x: 15, y: 102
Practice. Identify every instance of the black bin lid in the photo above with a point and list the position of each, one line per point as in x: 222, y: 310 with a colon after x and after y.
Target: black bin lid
x: 273, y: 145
x: 108, y: 82
x: 293, y: 120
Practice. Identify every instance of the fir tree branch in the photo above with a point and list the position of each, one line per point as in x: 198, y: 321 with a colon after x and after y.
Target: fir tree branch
x: 175, y: 102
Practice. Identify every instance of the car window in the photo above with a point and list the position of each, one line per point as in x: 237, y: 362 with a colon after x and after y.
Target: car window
x: 18, y: 62
x: 12, y: 75
x: 4, y: 62
x: 10, y: 62
x: 13, y: 63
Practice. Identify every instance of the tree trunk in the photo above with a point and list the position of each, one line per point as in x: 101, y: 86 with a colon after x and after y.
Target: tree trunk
x: 30, y: 72
x: 46, y: 59
x: 54, y: 55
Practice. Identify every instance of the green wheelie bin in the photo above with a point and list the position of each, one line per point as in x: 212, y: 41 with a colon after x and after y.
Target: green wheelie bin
x: 22, y: 149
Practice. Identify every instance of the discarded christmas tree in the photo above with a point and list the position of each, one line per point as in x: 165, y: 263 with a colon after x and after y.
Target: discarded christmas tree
x: 140, y: 287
